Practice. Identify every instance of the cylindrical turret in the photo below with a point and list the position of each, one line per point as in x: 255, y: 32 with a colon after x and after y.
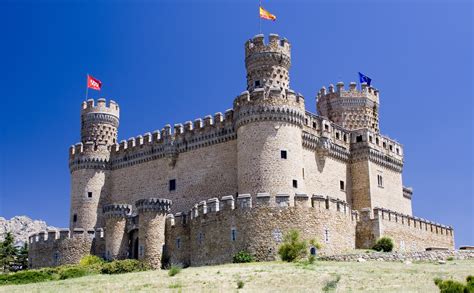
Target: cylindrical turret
x: 352, y: 108
x: 116, y: 238
x: 151, y: 229
x: 269, y: 121
x: 89, y: 163
x: 268, y: 64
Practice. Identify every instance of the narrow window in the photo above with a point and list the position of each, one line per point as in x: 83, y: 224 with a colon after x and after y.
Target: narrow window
x: 391, y: 147
x: 200, y: 237
x: 303, y: 173
x: 284, y: 154
x: 172, y: 184
x: 295, y: 183
x: 178, y: 242
x: 233, y: 234
x: 89, y: 194
x: 337, y: 135
x: 370, y: 138
x: 282, y: 43
x: 398, y: 151
x: 326, y: 235
x: 314, y: 124
x: 345, y: 138
x: 380, y: 180
x: 306, y: 121
x: 384, y: 145
x: 341, y: 185
x: 377, y: 141
x: 257, y: 83
x: 359, y: 138
x: 74, y: 218
x: 312, y: 251
x: 326, y: 126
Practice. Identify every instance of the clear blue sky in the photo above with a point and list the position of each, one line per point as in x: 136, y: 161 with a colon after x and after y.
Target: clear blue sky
x: 172, y: 61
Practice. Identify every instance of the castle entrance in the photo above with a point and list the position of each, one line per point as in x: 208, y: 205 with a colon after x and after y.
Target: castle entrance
x: 133, y: 244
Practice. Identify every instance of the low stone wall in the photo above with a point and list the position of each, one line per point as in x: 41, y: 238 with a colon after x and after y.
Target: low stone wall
x: 408, y: 233
x: 50, y: 249
x: 216, y: 230
x: 434, y: 255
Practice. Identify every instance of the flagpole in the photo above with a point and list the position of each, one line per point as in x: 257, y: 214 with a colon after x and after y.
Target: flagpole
x: 259, y: 18
x: 87, y: 86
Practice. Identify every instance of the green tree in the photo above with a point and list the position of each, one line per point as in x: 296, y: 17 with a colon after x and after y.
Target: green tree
x: 21, y: 261
x: 292, y: 248
x: 8, y: 252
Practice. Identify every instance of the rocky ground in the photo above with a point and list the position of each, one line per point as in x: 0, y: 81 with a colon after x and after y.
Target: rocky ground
x: 21, y: 227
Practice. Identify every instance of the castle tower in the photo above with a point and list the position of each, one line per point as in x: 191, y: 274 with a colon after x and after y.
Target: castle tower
x: 116, y: 240
x: 269, y: 120
x: 151, y: 229
x: 88, y: 163
x: 352, y: 109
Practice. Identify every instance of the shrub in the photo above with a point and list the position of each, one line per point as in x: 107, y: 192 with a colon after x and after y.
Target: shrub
x: 451, y: 286
x: 292, y: 248
x: 123, y: 266
x: 242, y: 257
x: 174, y: 270
x: 24, y: 277
x: 240, y: 284
x: 383, y: 244
x: 450, y: 258
x: 91, y: 260
x: 72, y: 272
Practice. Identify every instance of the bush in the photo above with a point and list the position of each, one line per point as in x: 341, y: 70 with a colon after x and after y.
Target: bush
x: 292, y: 248
x: 25, y: 277
x: 174, y: 270
x: 123, y: 266
x: 240, y: 284
x: 91, y: 260
x: 73, y: 272
x: 383, y: 244
x: 451, y: 286
x: 242, y: 257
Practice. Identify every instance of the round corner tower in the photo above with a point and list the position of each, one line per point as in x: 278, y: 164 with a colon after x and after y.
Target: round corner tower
x: 89, y: 163
x: 269, y: 121
x: 353, y: 108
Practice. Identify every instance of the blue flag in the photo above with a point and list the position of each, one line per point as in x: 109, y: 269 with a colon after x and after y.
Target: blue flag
x: 364, y: 78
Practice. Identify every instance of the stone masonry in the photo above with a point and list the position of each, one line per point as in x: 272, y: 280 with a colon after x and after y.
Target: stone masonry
x: 198, y: 192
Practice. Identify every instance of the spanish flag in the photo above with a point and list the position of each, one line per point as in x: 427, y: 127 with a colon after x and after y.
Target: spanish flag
x: 266, y: 15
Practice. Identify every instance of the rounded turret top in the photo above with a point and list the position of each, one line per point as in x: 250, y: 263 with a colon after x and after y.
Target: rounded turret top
x: 99, y: 122
x: 268, y: 64
x: 351, y: 108
x: 101, y: 106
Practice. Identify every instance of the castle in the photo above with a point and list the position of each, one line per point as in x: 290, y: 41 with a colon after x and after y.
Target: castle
x: 199, y: 192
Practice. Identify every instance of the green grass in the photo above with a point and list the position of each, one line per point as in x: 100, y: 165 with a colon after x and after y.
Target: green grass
x: 269, y: 277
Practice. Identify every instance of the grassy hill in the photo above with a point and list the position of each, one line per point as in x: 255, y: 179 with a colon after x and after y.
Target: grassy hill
x: 270, y: 277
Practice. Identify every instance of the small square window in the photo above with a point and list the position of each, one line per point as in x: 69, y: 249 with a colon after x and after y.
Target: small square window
x: 326, y: 127
x: 341, y: 185
x: 89, y: 194
x: 284, y: 154
x: 295, y: 183
x: 257, y: 83
x: 314, y: 124
x: 172, y: 184
x: 359, y: 138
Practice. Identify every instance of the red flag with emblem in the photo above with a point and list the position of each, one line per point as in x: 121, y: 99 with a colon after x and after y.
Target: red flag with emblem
x: 93, y: 83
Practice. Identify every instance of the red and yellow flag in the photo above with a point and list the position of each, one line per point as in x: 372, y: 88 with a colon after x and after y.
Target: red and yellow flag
x: 266, y: 15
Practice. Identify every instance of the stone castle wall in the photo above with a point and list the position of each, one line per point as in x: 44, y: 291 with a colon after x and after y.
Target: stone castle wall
x: 407, y: 232
x: 217, y: 229
x: 54, y: 248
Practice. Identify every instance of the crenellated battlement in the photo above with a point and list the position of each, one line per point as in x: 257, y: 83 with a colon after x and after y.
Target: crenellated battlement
x: 101, y: 106
x: 275, y: 44
x: 117, y: 210
x: 51, y: 236
x: 153, y: 205
x: 367, y: 138
x: 340, y: 91
x: 249, y: 203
